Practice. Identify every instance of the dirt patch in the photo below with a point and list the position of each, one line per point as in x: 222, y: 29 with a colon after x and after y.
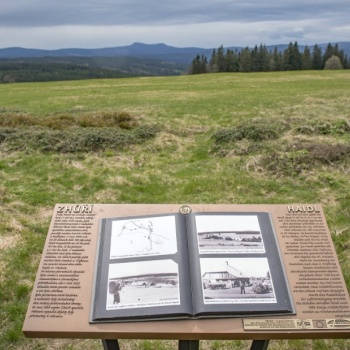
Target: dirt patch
x: 105, y: 196
x: 7, y: 242
x: 45, y: 213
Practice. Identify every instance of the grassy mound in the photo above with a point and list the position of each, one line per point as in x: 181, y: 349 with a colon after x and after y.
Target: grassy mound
x: 72, y: 133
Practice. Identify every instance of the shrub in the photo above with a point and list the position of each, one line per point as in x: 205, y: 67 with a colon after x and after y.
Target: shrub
x: 333, y: 63
x: 75, y: 139
x: 107, y: 119
x: 5, y: 133
x: 338, y: 127
x: 304, y: 156
x: 123, y: 120
x: 58, y: 122
x: 253, y: 132
x: 15, y: 119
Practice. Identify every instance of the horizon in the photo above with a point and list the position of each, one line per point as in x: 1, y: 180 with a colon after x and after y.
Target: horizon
x: 178, y: 47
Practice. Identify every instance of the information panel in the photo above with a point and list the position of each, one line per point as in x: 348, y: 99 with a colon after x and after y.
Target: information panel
x: 61, y: 299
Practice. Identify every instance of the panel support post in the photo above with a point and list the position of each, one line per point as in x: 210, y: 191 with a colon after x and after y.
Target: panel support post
x: 259, y: 345
x: 188, y: 344
x: 110, y: 344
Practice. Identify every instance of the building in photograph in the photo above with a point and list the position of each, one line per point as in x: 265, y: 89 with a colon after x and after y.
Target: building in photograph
x: 228, y: 277
x: 146, y: 280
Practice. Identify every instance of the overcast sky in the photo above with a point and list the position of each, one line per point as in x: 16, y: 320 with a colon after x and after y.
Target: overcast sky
x: 53, y: 24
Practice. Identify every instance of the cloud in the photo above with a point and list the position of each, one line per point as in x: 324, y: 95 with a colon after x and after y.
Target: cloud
x: 155, y: 12
x: 206, y: 23
x: 207, y: 35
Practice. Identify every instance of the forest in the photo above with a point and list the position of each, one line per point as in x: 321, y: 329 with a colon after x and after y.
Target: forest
x: 11, y: 72
x: 260, y: 59
x: 42, y: 69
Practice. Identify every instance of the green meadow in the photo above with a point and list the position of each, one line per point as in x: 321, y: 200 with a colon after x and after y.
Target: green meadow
x: 280, y: 137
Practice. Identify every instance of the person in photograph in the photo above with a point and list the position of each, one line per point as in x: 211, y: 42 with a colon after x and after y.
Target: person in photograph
x: 241, y: 284
x: 114, y: 288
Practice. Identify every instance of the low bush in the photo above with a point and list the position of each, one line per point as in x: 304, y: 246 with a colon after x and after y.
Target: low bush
x: 58, y: 122
x: 246, y: 139
x: 253, y: 131
x: 15, y: 119
x: 106, y: 119
x: 5, y: 133
x: 74, y: 139
x: 338, y: 127
x: 304, y: 156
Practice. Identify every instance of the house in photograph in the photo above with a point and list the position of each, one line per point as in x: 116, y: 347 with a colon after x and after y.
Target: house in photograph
x: 147, y: 280
x: 227, y: 277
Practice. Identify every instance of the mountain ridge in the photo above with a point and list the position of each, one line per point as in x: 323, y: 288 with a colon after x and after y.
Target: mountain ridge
x: 158, y: 51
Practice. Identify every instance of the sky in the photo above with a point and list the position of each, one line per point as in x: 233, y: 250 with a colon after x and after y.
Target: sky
x: 55, y: 24
x: 207, y: 223
x: 255, y: 267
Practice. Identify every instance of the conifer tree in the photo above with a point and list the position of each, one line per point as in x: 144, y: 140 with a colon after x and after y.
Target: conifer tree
x: 317, y: 61
x: 213, y: 63
x: 199, y: 65
x: 264, y: 59
x: 221, y: 60
x: 276, y: 60
x: 245, y: 60
x: 232, y: 64
x: 204, y: 64
x: 254, y: 58
x: 306, y: 59
x: 292, y: 57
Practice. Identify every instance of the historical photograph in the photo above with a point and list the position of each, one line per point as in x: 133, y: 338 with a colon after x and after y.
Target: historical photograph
x: 236, y: 280
x: 143, y: 284
x: 143, y: 237
x: 229, y: 234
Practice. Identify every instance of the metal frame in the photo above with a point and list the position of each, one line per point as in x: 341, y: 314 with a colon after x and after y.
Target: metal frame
x: 110, y: 344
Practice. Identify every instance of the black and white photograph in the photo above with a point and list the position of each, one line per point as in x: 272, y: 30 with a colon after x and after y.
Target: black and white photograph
x: 236, y: 280
x: 157, y: 267
x: 143, y: 284
x: 229, y: 234
x: 143, y: 237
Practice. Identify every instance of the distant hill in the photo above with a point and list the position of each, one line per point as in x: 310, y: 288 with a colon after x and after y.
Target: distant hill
x: 152, y: 51
x: 160, y: 52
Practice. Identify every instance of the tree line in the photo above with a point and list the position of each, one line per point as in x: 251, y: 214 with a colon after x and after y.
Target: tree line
x: 42, y: 69
x: 11, y: 72
x: 260, y: 59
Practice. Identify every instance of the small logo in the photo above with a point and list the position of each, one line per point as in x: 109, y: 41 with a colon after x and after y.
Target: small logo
x: 304, y: 324
x: 319, y: 323
x: 185, y: 209
x: 339, y: 323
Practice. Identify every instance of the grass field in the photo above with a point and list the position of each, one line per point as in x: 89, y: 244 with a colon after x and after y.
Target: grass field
x: 215, y: 138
